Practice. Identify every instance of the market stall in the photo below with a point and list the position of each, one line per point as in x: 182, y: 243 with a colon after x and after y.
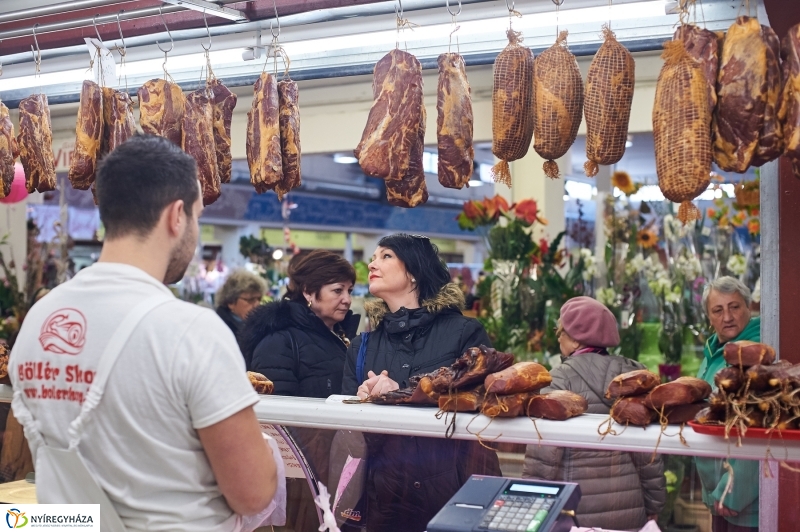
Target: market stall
x: 214, y: 62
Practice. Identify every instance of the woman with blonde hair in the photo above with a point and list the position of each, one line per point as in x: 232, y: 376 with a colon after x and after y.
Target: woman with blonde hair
x: 238, y: 296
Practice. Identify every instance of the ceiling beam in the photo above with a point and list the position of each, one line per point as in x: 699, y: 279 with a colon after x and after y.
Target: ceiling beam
x: 188, y: 19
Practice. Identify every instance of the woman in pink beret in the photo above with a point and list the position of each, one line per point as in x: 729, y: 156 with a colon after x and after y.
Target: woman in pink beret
x: 620, y: 491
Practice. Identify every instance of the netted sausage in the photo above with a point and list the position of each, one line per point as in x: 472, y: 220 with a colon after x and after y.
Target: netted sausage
x: 558, y: 101
x: 512, y: 105
x: 681, y: 122
x: 607, y: 106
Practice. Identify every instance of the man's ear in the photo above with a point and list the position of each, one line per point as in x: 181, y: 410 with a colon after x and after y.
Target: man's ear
x: 175, y: 218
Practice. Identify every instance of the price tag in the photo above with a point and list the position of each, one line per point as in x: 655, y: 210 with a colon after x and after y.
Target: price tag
x: 293, y: 467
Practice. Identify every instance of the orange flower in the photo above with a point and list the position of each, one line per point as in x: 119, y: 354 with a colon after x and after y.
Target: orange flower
x: 495, y: 206
x: 646, y: 238
x: 738, y: 219
x: 711, y: 212
x: 473, y: 209
x: 526, y: 210
x: 754, y: 226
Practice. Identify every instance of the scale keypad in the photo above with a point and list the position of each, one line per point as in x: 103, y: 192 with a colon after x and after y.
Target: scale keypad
x: 512, y: 513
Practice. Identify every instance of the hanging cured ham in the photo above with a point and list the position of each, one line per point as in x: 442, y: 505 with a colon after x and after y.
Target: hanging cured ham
x: 36, y: 144
x: 454, y: 125
x: 289, y: 119
x: 224, y: 101
x: 88, y: 137
x: 198, y: 141
x: 263, y: 143
x: 161, y: 108
x: 8, y: 151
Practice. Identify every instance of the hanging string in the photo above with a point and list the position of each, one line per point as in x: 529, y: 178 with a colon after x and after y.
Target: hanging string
x: 402, y: 24
x: 37, y: 60
x: 456, y: 27
x: 558, y: 13
x: 122, y: 52
x: 512, y: 12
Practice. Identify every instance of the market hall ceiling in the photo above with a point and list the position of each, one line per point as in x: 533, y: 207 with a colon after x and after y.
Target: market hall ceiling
x: 22, y: 15
x: 323, y: 38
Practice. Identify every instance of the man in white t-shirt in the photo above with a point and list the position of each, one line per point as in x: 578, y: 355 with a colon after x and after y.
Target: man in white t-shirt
x: 174, y: 441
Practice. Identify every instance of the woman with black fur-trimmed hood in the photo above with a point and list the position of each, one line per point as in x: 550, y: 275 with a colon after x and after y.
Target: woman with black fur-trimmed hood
x: 417, y: 327
x: 299, y: 343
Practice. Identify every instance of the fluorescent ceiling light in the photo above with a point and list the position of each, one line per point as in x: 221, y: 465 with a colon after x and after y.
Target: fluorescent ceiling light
x: 475, y: 183
x: 344, y: 159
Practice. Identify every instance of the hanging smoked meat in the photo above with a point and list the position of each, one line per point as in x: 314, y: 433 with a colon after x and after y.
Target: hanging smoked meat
x: 392, y: 129
x: 8, y: 151
x: 454, y: 124
x: 119, y: 123
x: 410, y: 190
x: 741, y: 95
x: 88, y: 136
x: 161, y: 108
x: 770, y: 141
x: 35, y: 143
x: 288, y: 97
x: 263, y: 143
x: 198, y: 141
x: 703, y: 46
x: 558, y: 101
x: 609, y: 96
x: 224, y: 101
x: 512, y: 105
x: 789, y: 114
x: 681, y: 122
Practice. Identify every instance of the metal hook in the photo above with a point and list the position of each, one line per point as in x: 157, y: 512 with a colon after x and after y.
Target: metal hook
x: 278, y: 20
x: 37, y: 55
x: 119, y: 27
x: 96, y: 31
x: 558, y: 3
x: 399, y: 12
x: 171, y: 42
x: 451, y: 12
x: 209, y: 34
x: 510, y: 7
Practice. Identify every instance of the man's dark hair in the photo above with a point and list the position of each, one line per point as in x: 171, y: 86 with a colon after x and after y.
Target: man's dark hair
x: 137, y: 181
x: 309, y: 273
x: 422, y: 261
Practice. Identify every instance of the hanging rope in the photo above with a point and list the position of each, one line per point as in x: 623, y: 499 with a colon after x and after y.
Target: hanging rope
x: 456, y: 27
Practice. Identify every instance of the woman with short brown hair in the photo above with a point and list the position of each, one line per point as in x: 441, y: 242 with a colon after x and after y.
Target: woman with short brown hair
x: 300, y: 343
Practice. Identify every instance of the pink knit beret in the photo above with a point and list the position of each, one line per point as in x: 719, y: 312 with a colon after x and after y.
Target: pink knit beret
x: 589, y: 322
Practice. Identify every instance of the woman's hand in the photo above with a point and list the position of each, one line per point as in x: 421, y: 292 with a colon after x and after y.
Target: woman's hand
x: 366, y: 387
x: 377, y: 385
x: 384, y: 384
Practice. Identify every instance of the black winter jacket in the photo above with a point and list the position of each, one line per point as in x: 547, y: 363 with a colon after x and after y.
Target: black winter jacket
x: 312, y: 367
x: 233, y: 321
x: 410, y: 479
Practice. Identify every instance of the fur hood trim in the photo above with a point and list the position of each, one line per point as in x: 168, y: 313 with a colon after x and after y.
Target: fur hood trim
x: 450, y: 296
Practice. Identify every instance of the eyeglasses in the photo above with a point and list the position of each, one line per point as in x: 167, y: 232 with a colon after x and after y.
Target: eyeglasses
x: 250, y: 300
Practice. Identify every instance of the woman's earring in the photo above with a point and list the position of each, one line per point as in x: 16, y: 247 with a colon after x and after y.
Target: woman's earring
x: 309, y: 303
x: 413, y: 281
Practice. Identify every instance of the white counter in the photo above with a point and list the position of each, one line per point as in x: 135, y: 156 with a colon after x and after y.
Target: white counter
x: 581, y: 431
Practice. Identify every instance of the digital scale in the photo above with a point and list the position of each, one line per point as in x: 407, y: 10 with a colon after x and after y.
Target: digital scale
x: 509, y: 505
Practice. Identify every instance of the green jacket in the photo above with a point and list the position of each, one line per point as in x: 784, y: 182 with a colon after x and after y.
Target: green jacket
x: 743, y: 497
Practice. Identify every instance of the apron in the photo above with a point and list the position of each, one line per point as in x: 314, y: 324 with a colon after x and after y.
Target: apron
x: 61, y: 474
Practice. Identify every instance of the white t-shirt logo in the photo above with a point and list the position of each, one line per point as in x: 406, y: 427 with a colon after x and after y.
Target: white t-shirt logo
x: 64, y: 332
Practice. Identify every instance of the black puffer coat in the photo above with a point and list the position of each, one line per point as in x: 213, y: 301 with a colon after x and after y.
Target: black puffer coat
x: 233, y: 321
x: 312, y: 367
x: 410, y: 479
